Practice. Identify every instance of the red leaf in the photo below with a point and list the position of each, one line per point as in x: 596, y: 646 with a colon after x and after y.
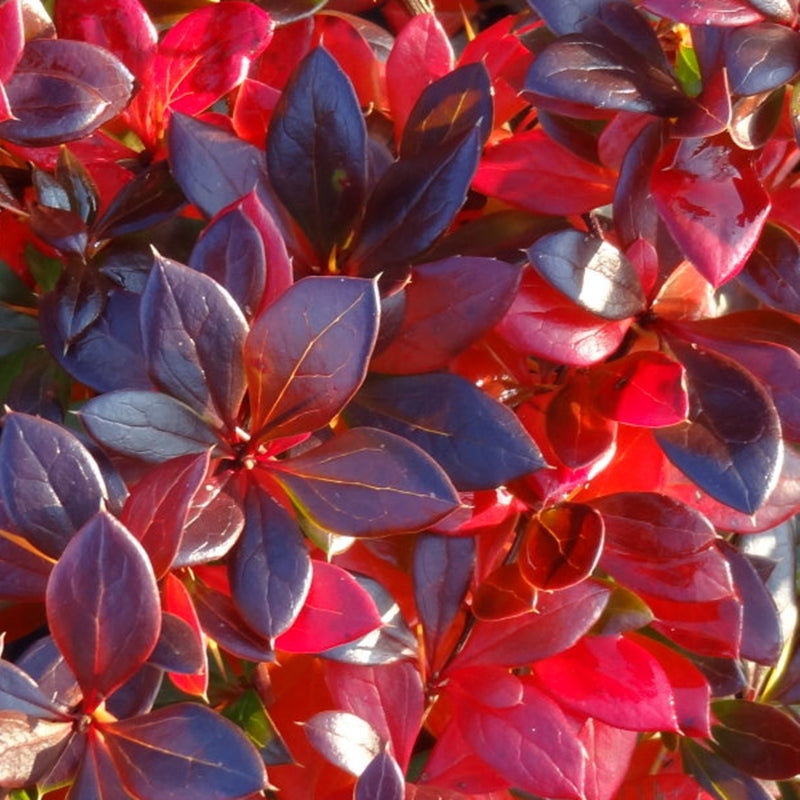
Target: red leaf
x: 712, y: 201
x: 177, y: 600
x: 612, y: 679
x: 101, y: 564
x: 307, y: 354
x: 503, y: 594
x: 336, y: 610
x: 609, y: 749
x: 11, y: 23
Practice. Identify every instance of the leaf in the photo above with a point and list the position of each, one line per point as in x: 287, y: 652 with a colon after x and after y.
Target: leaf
x: 413, y: 203
x: 243, y: 250
x: 367, y: 482
x: 504, y: 593
x: 307, y: 354
x: 612, y: 679
x: 213, y: 167
x: 50, y: 483
x: 562, y: 546
x: 563, y: 18
x: 102, y: 563
x: 382, y: 778
x: 344, y: 739
x: 184, y: 747
x: 96, y: 778
x: 711, y: 199
x: 11, y: 20
x: 177, y: 601
x: 29, y: 747
x: 761, y: 57
x: 157, y: 507
x: 713, y: 12
x: 478, y: 442
x: 716, y: 776
x: 737, y: 457
x: 194, y: 334
x: 207, y: 54
x: 269, y: 569
x: 337, y: 610
x: 448, y: 108
x: 761, y: 740
x: 147, y: 425
x: 63, y: 90
x: 23, y: 570
x: 317, y: 151
x: 447, y: 305
x: 178, y: 649
x: 772, y: 269
x: 19, y: 693
x: 591, y: 272
x: 560, y: 619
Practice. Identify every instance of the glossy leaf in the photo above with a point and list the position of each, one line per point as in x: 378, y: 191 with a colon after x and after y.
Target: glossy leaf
x: 712, y: 201
x: 716, y: 12
x: 50, y: 483
x: 413, y: 203
x: 771, y: 270
x: 761, y: 57
x: 367, y: 482
x: 336, y: 610
x: 29, y: 747
x: 157, y: 506
x: 178, y: 649
x: 760, y: 739
x: 194, y: 334
x: 478, y: 442
x: 270, y: 569
x: 96, y: 778
x: 102, y: 563
x: 564, y: 18
x: 382, y: 778
x: 447, y: 305
x: 448, y: 108
x: 184, y: 747
x: 592, y: 273
x: 504, y: 593
x: 562, y: 546
x: 736, y: 458
x: 20, y: 693
x: 147, y: 425
x: 316, y: 151
x: 63, y: 90
x: 307, y: 354
x: 344, y: 739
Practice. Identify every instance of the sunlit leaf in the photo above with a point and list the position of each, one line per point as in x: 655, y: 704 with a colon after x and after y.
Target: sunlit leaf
x: 344, y: 739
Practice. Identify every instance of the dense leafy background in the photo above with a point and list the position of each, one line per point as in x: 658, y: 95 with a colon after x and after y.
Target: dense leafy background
x: 399, y: 405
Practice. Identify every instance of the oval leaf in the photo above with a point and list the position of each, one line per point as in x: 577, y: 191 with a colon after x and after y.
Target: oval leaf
x: 101, y: 564
x: 761, y: 57
x: 344, y: 739
x: 382, y: 778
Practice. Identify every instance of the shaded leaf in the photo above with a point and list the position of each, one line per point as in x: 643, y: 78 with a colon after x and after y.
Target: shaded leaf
x: 720, y: 779
x: 367, y: 482
x: 772, y: 270
x: 102, y: 563
x: 178, y: 649
x: 316, y: 151
x: 307, y: 354
x: 50, y: 483
x: 381, y: 778
x: 147, y: 425
x: 23, y: 570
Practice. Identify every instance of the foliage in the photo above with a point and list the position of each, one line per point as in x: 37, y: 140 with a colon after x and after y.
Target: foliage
x: 397, y: 410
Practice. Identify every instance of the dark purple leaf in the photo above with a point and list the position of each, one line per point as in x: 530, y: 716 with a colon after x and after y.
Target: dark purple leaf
x: 447, y: 305
x: 19, y: 693
x: 185, y: 748
x: 101, y: 564
x: 367, y: 482
x: 307, y: 354
x: 716, y: 776
x: 761, y: 57
x: 45, y: 663
x: 478, y: 442
x: 270, y: 568
x: 755, y: 119
x: 344, y: 739
x: 243, y: 250
x: 50, y: 483
x: 178, y: 648
x: 63, y: 230
x: 82, y: 297
x: 213, y: 167
x: 731, y: 446
x: 381, y: 779
x: 316, y: 151
x: 194, y: 333
x: 147, y: 425
x: 591, y: 272
x: 97, y: 778
x: 772, y: 273
x: 23, y: 571
x: 63, y: 90
x: 563, y: 18
x: 138, y: 694
x: 413, y: 203
x: 449, y: 108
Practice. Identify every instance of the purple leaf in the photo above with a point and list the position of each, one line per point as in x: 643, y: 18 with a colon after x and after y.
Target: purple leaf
x: 344, y: 739
x: 178, y: 648
x: 20, y: 693
x: 761, y: 57
x: 381, y: 779
x: 50, y: 483
x: 101, y: 564
x: 29, y: 748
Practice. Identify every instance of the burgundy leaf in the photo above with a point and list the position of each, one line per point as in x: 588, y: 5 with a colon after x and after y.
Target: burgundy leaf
x: 147, y: 425
x: 101, y: 564
x: 478, y: 442
x: 712, y: 12
x: 50, y: 483
x: 771, y: 272
x: 713, y: 773
x: 63, y: 90
x: 184, y: 747
x: 447, y: 305
x: 316, y: 151
x: 194, y: 333
x: 97, y: 778
x: 735, y: 457
x: 344, y: 739
x: 178, y: 649
x: 23, y: 570
x: 307, y: 354
x: 156, y: 509
x: 367, y: 482
x: 382, y: 778
x: 270, y: 569
x: 713, y: 203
